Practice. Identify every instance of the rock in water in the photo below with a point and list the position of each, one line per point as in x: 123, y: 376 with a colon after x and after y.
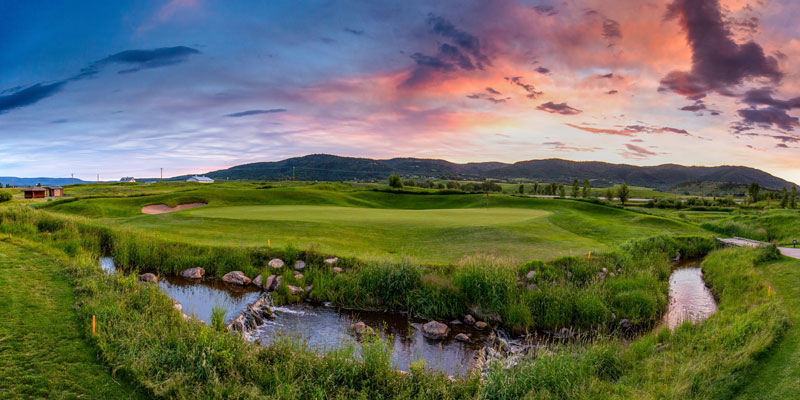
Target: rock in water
x: 276, y: 283
x: 469, y: 319
x: 435, y: 330
x: 148, y: 277
x: 193, y: 273
x: 257, y: 281
x: 299, y: 264
x: 625, y: 324
x: 236, y: 278
x: 253, y: 316
x: 276, y: 263
x: 268, y: 283
x: 480, y: 325
x: 462, y: 337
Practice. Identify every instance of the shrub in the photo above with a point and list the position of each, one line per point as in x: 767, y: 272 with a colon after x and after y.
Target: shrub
x: 5, y: 196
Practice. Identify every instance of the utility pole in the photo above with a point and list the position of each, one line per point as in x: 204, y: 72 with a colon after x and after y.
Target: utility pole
x: 162, y: 173
x: 98, y: 178
x: 292, y: 173
x: 73, y: 178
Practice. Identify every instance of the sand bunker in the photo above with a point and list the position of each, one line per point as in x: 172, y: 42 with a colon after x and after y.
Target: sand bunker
x: 163, y: 208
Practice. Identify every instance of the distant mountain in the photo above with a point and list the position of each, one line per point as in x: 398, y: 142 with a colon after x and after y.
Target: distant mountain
x: 44, y: 181
x: 324, y: 167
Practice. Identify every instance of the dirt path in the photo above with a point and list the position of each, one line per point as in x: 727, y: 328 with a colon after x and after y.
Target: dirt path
x: 163, y: 208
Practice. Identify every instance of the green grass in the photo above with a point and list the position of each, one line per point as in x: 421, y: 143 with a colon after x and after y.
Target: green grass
x: 350, y: 220
x: 43, y: 353
x: 777, y: 375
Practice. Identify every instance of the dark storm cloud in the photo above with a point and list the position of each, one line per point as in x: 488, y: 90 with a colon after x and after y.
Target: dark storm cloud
x: 763, y: 97
x: 517, y: 80
x: 558, y: 108
x: 29, y: 95
x: 542, y: 70
x: 769, y: 116
x: 697, y: 106
x: 611, y: 30
x: 455, y: 56
x: 255, y: 112
x: 718, y: 62
x: 639, y: 151
x: 147, y: 59
x: 357, y: 32
x: 465, y: 40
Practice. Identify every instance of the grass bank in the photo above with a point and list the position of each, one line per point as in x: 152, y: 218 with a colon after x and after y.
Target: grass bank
x: 43, y: 349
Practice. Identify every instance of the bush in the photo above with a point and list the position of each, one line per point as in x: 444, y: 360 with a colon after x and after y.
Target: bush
x: 5, y: 195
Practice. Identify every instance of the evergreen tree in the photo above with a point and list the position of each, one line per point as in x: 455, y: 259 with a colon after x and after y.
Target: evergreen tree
x: 521, y: 189
x: 623, y: 193
x: 753, y: 191
x: 575, y: 188
x: 784, y: 198
x: 395, y: 182
x: 586, y: 188
x: 562, y: 191
x: 793, y: 198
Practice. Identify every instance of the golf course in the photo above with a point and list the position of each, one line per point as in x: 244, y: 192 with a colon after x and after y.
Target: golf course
x: 590, y: 276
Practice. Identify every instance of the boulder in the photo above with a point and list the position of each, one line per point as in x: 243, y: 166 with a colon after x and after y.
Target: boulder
x: 193, y: 273
x: 276, y: 263
x: 268, y: 283
x: 276, y: 283
x: 337, y: 270
x: 533, y: 286
x: 604, y: 270
x: 294, y: 290
x: 469, y: 319
x: 480, y: 325
x: 530, y: 275
x: 148, y: 277
x: 359, y: 327
x: 177, y: 305
x: 625, y: 324
x: 331, y: 261
x: 435, y: 330
x: 299, y: 264
x: 298, y: 275
x: 462, y: 337
x: 455, y: 322
x: 236, y: 278
x: 257, y: 281
x: 309, y: 288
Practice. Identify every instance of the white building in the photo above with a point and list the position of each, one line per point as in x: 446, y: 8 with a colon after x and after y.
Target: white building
x: 200, y: 179
x: 127, y: 179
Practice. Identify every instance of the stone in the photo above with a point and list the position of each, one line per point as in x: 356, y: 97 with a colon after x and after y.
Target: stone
x: 611, y: 274
x: 435, y: 330
x: 268, y: 283
x: 236, y: 278
x: 331, y: 261
x: 309, y: 288
x: 359, y: 327
x: 604, y: 270
x: 298, y: 275
x: 276, y: 283
x: 462, y: 337
x: 533, y: 286
x: 253, y: 316
x: 148, y: 277
x: 337, y: 270
x: 193, y: 273
x: 530, y: 275
x: 276, y: 263
x: 480, y: 325
x: 625, y: 324
x: 569, y: 274
x: 469, y: 319
x: 601, y: 275
x: 299, y: 264
x: 257, y: 281
x: 177, y: 305
x: 455, y: 322
x: 294, y: 290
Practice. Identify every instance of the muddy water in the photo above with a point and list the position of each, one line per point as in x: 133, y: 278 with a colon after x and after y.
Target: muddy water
x: 324, y: 328
x: 689, y: 298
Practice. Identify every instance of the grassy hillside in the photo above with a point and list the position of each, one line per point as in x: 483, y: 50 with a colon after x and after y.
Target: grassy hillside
x: 352, y: 221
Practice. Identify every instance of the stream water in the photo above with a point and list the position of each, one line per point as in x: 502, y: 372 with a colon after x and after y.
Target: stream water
x: 689, y: 298
x: 323, y: 328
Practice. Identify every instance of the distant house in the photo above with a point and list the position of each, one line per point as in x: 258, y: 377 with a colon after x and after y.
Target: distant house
x: 55, y: 191
x: 200, y: 179
x: 34, y: 192
x: 127, y: 179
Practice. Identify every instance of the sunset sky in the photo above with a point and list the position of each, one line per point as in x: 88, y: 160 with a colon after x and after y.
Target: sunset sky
x: 123, y: 88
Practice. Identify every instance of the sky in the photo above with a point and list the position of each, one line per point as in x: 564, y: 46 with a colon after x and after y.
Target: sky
x: 123, y: 88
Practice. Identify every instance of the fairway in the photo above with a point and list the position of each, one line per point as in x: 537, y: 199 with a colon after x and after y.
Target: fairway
x: 351, y: 215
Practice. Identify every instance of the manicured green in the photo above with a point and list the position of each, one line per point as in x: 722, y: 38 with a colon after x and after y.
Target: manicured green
x: 43, y: 351
x: 357, y: 221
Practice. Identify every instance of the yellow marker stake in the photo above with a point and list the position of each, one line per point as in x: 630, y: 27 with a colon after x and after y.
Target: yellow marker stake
x: 590, y: 255
x: 268, y: 243
x: 92, y: 324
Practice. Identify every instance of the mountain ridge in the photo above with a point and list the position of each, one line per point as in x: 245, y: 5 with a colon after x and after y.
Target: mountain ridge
x: 326, y: 167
